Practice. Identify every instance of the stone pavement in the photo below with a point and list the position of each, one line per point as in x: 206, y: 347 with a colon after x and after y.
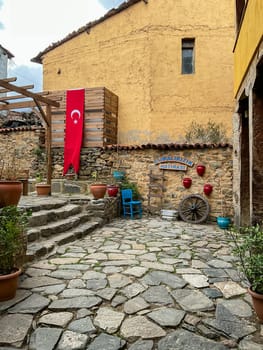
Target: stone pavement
x: 134, y: 284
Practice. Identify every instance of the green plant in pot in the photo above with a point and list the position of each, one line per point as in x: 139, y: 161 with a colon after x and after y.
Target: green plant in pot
x: 98, y: 189
x: 42, y: 188
x: 248, y: 247
x: 13, y: 222
x: 126, y: 184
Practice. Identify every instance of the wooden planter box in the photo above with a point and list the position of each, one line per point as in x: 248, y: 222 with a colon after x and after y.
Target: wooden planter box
x: 101, y: 118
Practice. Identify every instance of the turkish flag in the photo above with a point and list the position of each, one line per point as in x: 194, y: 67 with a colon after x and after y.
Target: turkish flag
x: 75, y: 103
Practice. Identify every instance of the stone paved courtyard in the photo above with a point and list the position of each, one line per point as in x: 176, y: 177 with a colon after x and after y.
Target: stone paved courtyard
x: 139, y: 285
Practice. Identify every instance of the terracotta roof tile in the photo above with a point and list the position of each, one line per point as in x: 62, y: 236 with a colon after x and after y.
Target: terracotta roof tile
x: 168, y: 146
x: 20, y: 128
x: 86, y: 28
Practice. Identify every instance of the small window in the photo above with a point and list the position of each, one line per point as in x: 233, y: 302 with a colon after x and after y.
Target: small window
x: 188, y: 56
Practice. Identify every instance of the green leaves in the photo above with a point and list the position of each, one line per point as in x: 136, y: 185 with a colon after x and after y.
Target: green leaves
x: 13, y: 222
x: 248, y: 246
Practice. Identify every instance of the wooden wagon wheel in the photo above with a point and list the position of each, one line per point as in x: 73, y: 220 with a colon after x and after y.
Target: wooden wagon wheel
x: 194, y: 209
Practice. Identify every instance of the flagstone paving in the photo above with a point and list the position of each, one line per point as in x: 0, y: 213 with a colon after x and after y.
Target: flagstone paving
x: 134, y: 284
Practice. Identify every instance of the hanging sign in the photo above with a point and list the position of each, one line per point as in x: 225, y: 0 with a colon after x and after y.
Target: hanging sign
x: 172, y: 167
x: 165, y: 163
x: 74, y: 128
x: 174, y: 159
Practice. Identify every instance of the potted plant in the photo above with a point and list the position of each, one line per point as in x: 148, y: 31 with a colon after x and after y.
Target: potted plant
x: 126, y: 184
x: 223, y: 220
x: 42, y: 188
x: 13, y: 222
x: 96, y: 188
x: 248, y: 247
x: 10, y: 188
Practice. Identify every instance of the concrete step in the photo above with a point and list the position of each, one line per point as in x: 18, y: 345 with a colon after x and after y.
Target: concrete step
x: 47, y: 246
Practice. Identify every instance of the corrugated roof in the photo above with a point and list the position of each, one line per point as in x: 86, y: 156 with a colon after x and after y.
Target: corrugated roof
x: 87, y: 27
x: 168, y: 146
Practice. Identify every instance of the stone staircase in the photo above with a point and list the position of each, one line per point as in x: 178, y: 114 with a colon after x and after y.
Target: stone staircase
x: 55, y: 222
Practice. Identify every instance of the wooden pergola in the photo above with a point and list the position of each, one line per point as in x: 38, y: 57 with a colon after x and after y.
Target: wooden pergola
x: 22, y: 98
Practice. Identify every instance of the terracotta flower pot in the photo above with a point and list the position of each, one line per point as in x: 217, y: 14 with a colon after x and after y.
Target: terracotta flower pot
x: 200, y: 169
x: 98, y: 190
x: 257, y: 303
x: 112, y: 190
x: 43, y: 189
x: 8, y: 285
x: 10, y: 192
x: 187, y: 182
x: 208, y: 189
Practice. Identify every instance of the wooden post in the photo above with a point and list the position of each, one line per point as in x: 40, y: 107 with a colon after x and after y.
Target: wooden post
x: 48, y: 145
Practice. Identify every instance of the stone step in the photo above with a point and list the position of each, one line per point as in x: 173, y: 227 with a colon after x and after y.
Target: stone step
x: 38, y: 203
x: 54, y: 228
x: 43, y: 217
x: 46, y: 246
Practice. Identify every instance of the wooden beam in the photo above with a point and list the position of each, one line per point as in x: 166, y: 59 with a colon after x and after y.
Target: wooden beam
x: 33, y: 95
x: 2, y: 91
x: 18, y: 105
x: 48, y: 145
x: 42, y: 113
x: 12, y: 97
x: 9, y: 80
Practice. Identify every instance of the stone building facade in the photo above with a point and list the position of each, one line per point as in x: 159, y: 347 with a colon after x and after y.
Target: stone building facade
x: 169, y: 61
x: 5, y: 55
x: 248, y: 137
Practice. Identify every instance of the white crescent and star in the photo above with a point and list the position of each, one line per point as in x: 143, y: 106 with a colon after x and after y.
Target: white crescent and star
x: 75, y: 119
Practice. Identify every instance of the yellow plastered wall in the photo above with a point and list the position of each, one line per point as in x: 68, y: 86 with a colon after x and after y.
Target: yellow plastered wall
x: 137, y: 55
x: 249, y: 38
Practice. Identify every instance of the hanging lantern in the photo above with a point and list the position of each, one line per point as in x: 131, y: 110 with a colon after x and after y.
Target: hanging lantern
x: 200, y: 168
x: 187, y: 182
x: 208, y: 189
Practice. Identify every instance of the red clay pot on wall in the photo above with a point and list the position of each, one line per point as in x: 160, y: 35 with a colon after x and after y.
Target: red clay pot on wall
x: 200, y: 169
x: 187, y: 182
x: 208, y: 189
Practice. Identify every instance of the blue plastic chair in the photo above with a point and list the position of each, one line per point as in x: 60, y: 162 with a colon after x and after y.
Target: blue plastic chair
x: 129, y: 206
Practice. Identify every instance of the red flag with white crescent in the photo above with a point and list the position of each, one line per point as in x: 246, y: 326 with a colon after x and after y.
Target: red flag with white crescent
x: 74, y: 128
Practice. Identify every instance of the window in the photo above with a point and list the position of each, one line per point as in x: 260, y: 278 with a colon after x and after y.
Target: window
x: 188, y: 56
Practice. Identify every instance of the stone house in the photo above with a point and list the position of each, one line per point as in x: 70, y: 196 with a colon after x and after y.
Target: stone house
x: 5, y: 55
x: 170, y: 62
x: 248, y: 119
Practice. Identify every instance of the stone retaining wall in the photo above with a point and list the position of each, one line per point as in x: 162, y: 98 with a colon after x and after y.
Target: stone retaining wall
x: 137, y: 164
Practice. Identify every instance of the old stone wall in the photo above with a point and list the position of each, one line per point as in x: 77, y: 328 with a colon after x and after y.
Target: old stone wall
x: 20, y: 151
x: 137, y: 165
x: 27, y: 146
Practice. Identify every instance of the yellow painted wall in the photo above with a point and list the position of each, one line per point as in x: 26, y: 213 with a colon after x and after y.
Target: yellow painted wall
x: 249, y: 38
x: 137, y: 55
